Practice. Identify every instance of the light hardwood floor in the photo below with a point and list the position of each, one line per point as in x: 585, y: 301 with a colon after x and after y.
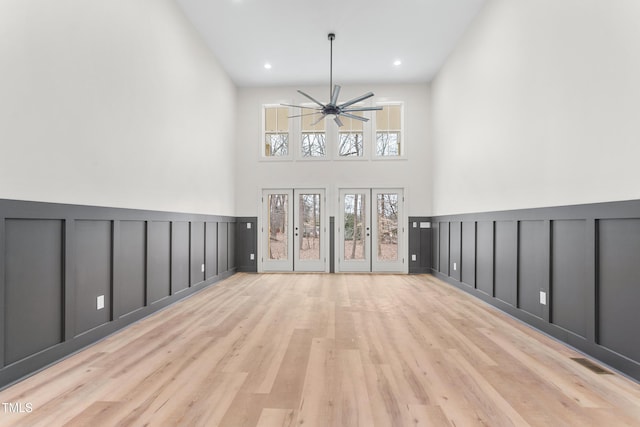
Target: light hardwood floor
x: 325, y: 350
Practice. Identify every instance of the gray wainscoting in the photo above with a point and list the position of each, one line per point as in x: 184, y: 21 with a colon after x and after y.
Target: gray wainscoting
x: 583, y: 259
x: 57, y: 260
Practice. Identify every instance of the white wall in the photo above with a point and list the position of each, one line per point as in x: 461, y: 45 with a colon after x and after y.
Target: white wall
x: 539, y: 105
x: 113, y: 103
x: 412, y: 173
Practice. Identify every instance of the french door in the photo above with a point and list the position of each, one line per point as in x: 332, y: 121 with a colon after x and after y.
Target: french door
x: 370, y: 230
x: 293, y: 230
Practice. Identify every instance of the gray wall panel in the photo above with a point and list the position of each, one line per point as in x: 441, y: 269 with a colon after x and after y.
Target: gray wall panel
x: 586, y: 258
x: 223, y: 245
x: 569, y: 275
x: 93, y: 273
x: 506, y: 271
x: 468, y: 271
x: 619, y: 285
x: 484, y: 257
x: 532, y: 266
x: 179, y: 256
x: 211, y: 249
x: 197, y: 252
x: 425, y: 249
x: 159, y: 260
x: 33, y: 286
x: 56, y: 259
x: 455, y: 233
x: 131, y: 267
x: 231, y: 245
x: 444, y: 247
x: 435, y: 245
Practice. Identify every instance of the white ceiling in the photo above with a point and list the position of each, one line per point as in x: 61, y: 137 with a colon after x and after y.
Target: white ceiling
x: 291, y: 35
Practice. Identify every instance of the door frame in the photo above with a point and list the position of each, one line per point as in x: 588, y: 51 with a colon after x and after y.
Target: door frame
x: 321, y: 264
x: 400, y: 265
x: 266, y: 266
x: 353, y: 266
x: 370, y: 265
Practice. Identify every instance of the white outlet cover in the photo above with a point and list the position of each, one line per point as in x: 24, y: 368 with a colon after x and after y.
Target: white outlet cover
x: 202, y: 268
x: 248, y: 225
x: 543, y: 298
x: 413, y: 257
x: 100, y: 302
x: 252, y: 257
x: 455, y: 266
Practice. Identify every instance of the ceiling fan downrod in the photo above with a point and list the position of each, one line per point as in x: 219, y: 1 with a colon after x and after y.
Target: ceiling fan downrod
x: 333, y: 108
x: 331, y: 37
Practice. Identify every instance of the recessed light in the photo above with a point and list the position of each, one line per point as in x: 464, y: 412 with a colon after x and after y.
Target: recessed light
x: 267, y: 66
x: 397, y: 62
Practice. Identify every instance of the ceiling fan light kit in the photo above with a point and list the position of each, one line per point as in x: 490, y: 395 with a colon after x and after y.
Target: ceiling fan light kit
x: 333, y: 108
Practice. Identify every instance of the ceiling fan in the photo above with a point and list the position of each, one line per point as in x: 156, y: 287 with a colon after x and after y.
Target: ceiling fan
x: 333, y: 108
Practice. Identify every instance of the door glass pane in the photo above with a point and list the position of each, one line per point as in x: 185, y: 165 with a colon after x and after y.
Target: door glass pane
x: 309, y: 226
x: 278, y: 229
x: 354, y: 223
x: 387, y: 227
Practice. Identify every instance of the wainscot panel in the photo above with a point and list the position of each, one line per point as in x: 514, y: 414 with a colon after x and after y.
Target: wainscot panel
x: 71, y: 275
x: 33, y: 286
x: 571, y: 271
x: 469, y: 253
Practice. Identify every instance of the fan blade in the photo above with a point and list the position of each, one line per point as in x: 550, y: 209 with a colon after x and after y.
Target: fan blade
x: 311, y: 98
x: 336, y: 93
x: 319, y: 120
x: 356, y: 100
x: 353, y: 116
x: 301, y: 106
x: 338, y: 121
x: 363, y: 109
x: 302, y: 115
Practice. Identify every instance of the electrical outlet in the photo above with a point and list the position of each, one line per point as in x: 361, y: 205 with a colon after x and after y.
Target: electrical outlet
x: 252, y: 257
x: 413, y: 257
x: 455, y: 266
x: 543, y: 298
x: 202, y: 268
x: 100, y: 302
x: 415, y: 225
x: 248, y: 225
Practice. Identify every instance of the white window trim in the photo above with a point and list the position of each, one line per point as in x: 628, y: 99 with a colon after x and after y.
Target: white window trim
x: 328, y: 141
x: 264, y: 158
x: 403, y: 140
x: 366, y: 139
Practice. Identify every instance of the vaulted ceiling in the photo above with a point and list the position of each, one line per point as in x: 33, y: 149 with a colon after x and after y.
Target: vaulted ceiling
x: 291, y: 36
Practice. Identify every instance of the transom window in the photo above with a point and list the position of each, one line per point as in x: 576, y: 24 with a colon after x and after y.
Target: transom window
x: 313, y: 140
x: 276, y: 131
x: 389, y: 131
x: 351, y: 137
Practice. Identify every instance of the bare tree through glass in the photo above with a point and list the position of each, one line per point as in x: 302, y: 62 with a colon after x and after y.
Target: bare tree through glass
x: 313, y: 135
x: 389, y: 131
x: 351, y: 141
x: 313, y: 144
x: 278, y: 220
x: 387, y: 213
x: 354, y: 226
x: 351, y: 144
x: 276, y: 131
x: 309, y: 226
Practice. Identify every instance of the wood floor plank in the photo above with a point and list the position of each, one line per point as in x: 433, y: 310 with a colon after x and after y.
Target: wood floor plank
x: 325, y: 350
